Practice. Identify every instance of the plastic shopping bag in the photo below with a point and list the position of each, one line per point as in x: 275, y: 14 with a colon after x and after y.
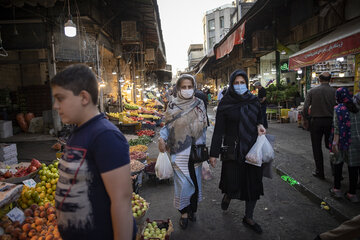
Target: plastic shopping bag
x: 206, y: 172
x: 267, y: 151
x: 163, y: 168
x: 255, y: 155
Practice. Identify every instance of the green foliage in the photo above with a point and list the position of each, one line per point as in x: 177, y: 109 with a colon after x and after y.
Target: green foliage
x: 281, y: 93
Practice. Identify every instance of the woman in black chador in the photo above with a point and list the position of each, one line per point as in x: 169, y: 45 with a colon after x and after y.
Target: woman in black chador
x: 238, y: 123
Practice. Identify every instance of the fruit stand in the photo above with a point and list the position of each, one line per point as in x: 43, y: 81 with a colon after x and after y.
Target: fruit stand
x: 27, y: 199
x: 27, y: 190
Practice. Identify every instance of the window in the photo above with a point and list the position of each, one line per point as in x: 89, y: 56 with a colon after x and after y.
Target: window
x: 211, y: 25
x: 222, y: 22
x: 211, y: 42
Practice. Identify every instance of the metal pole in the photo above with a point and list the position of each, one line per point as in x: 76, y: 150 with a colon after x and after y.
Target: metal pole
x: 101, y: 103
x: 134, y: 80
x: 120, y: 95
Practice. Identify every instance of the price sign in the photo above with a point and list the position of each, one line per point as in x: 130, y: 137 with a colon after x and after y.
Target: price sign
x: 16, y: 215
x: 30, y: 183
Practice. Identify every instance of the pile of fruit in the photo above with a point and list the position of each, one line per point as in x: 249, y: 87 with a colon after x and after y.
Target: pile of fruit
x: 155, y: 231
x: 145, y: 111
x: 149, y: 133
x: 142, y: 140
x: 137, y: 119
x: 131, y: 107
x: 44, y: 191
x: 150, y: 123
x: 22, y: 171
x: 136, y: 166
x: 149, y: 116
x: 137, y: 155
x: 139, y: 205
x: 138, y: 148
x: 40, y: 223
x: 114, y: 115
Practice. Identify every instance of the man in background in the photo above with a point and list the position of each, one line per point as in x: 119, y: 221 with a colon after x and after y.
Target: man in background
x: 262, y: 99
x: 321, y: 99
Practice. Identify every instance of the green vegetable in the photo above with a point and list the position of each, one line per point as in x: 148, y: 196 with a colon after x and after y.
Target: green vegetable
x: 142, y: 140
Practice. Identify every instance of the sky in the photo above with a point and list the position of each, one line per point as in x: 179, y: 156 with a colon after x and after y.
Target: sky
x: 181, y: 23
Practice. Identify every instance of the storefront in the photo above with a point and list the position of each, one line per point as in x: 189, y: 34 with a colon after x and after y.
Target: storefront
x: 337, y: 53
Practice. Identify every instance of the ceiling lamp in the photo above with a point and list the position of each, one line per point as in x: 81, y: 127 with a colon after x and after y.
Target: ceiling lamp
x: 70, y: 27
x: 299, y: 71
x: 102, y: 84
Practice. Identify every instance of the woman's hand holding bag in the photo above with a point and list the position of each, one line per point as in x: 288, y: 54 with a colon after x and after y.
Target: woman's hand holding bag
x: 254, y: 156
x: 162, y: 145
x: 261, y: 130
x: 163, y: 168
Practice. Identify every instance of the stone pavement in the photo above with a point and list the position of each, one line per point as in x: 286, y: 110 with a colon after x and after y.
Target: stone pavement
x: 293, y: 148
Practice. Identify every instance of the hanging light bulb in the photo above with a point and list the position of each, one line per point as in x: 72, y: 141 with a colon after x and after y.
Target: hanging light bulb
x: 299, y: 71
x: 70, y: 28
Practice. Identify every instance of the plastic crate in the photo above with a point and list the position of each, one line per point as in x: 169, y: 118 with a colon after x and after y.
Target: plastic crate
x: 162, y: 224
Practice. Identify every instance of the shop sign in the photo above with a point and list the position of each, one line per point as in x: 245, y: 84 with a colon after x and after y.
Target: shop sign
x: 235, y: 38
x: 284, y: 67
x: 342, y: 47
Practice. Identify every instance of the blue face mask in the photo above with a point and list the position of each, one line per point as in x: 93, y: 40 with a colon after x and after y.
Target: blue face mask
x: 240, y: 89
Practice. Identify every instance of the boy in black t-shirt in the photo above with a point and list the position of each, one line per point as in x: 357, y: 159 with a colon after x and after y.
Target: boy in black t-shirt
x: 93, y: 194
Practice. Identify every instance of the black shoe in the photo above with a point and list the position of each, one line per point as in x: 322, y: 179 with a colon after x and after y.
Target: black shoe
x: 225, y: 202
x: 315, y: 174
x: 183, y: 223
x: 192, y: 216
x: 255, y: 227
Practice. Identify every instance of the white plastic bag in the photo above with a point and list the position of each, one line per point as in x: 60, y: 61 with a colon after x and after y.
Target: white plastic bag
x: 255, y: 155
x: 267, y: 151
x: 163, y: 168
x: 206, y: 172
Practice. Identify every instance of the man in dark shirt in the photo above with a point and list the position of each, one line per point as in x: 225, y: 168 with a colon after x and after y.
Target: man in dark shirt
x: 93, y: 194
x: 321, y: 101
x: 262, y: 99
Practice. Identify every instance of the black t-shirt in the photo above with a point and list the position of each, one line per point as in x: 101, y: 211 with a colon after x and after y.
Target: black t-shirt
x: 82, y: 203
x: 262, y: 94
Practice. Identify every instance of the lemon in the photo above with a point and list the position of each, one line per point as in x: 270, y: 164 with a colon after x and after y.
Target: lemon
x: 28, y: 195
x: 42, y: 195
x: 30, y: 202
x: 323, y: 203
x: 53, y: 181
x: 326, y: 208
x: 39, y: 189
x: 49, y: 191
x: 48, y: 185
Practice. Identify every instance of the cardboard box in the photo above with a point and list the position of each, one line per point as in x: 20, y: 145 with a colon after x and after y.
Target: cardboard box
x: 11, y: 161
x: 8, y: 156
x: 6, y: 129
x: 6, y: 149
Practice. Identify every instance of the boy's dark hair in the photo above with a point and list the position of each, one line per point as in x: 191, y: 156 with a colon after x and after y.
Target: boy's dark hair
x: 76, y: 78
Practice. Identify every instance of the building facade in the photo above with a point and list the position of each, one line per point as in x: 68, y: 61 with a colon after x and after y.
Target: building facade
x: 216, y: 23
x: 195, y: 54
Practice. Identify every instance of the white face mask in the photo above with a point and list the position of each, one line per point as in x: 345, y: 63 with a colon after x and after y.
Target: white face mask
x: 188, y: 93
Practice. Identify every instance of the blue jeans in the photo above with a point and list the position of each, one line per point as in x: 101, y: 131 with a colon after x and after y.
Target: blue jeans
x: 263, y: 114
